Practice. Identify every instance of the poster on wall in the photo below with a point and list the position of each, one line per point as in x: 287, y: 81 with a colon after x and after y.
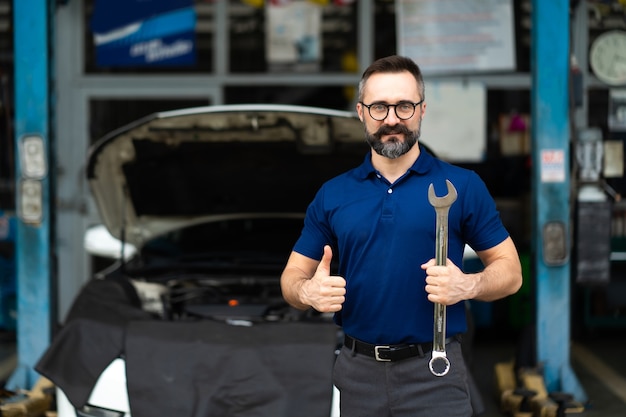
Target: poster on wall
x: 144, y: 33
x: 293, y: 35
x: 454, y: 122
x: 457, y: 36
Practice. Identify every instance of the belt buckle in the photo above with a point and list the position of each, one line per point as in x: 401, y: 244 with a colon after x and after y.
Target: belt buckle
x: 377, y: 353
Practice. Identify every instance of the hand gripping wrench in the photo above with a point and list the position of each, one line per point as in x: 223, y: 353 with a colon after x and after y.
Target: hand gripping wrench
x: 439, y: 364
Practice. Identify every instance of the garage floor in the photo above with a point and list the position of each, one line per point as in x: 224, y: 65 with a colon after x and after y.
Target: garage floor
x: 599, y: 363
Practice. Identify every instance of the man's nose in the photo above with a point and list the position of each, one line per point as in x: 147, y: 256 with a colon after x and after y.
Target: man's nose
x: 392, y: 118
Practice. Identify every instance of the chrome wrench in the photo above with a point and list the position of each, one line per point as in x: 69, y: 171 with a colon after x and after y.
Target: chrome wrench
x: 439, y: 364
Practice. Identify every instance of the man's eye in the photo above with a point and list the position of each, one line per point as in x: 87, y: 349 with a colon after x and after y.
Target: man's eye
x: 405, y: 107
x: 379, y: 107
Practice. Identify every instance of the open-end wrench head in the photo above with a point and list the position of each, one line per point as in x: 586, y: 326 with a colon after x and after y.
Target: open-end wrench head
x: 444, y: 201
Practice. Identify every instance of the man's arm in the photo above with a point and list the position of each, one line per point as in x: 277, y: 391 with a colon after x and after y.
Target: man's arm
x: 306, y: 282
x: 501, y: 277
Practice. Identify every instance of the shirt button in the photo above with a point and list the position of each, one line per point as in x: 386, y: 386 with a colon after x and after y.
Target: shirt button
x: 389, y: 191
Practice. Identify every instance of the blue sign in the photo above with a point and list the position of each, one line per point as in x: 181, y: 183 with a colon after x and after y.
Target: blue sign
x: 144, y: 32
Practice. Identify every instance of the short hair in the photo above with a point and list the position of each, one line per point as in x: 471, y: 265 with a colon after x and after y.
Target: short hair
x: 393, y: 64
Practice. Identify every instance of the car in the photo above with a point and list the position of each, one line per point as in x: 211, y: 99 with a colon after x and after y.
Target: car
x: 200, y: 207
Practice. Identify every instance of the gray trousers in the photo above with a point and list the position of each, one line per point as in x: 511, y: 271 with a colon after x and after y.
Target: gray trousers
x: 404, y: 388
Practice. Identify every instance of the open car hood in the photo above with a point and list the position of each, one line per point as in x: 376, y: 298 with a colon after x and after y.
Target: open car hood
x: 173, y: 169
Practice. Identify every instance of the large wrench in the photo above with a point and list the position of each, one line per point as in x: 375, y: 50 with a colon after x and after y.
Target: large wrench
x: 439, y: 364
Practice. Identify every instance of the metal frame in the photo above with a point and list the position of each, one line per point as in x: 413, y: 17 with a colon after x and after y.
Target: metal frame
x: 34, y: 257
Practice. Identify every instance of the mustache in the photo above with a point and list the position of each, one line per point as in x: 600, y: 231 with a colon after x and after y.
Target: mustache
x: 392, y: 130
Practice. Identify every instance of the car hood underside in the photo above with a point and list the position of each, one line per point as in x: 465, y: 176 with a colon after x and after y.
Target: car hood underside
x: 178, y: 168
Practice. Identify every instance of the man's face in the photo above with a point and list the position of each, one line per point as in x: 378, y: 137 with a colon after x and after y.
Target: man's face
x: 391, y: 137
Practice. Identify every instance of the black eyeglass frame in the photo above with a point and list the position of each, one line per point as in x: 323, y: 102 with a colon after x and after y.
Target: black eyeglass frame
x: 395, y: 109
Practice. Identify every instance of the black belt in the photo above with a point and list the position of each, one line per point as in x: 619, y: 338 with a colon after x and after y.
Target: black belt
x: 389, y: 353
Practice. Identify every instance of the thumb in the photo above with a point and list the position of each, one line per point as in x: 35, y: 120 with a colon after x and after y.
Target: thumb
x: 324, y: 265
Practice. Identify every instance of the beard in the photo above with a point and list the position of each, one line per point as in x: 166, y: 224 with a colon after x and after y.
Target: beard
x: 394, y: 147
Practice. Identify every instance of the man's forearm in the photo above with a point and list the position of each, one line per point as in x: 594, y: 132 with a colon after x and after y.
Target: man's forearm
x: 498, y: 280
x: 291, y: 282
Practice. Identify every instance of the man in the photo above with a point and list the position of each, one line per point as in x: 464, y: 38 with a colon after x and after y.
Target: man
x: 377, y: 220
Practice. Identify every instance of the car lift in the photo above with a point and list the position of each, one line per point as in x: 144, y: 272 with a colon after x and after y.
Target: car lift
x: 550, y: 106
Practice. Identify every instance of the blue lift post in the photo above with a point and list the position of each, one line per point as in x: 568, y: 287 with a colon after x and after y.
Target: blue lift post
x: 551, y: 195
x: 31, y: 21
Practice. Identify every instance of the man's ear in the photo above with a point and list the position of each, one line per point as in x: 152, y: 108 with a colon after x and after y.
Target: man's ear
x: 359, y: 111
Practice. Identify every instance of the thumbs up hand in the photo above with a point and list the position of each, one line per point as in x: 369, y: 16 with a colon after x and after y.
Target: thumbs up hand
x: 324, y: 292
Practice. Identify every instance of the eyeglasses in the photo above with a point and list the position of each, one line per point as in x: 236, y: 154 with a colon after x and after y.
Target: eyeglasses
x: 404, y: 109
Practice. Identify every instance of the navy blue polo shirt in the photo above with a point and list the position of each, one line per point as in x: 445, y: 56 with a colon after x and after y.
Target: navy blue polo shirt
x: 381, y: 233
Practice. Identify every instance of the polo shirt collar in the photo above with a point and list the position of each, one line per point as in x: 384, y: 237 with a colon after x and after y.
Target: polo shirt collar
x: 423, y: 164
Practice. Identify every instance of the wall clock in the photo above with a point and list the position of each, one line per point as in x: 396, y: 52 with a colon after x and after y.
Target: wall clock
x: 607, y: 57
